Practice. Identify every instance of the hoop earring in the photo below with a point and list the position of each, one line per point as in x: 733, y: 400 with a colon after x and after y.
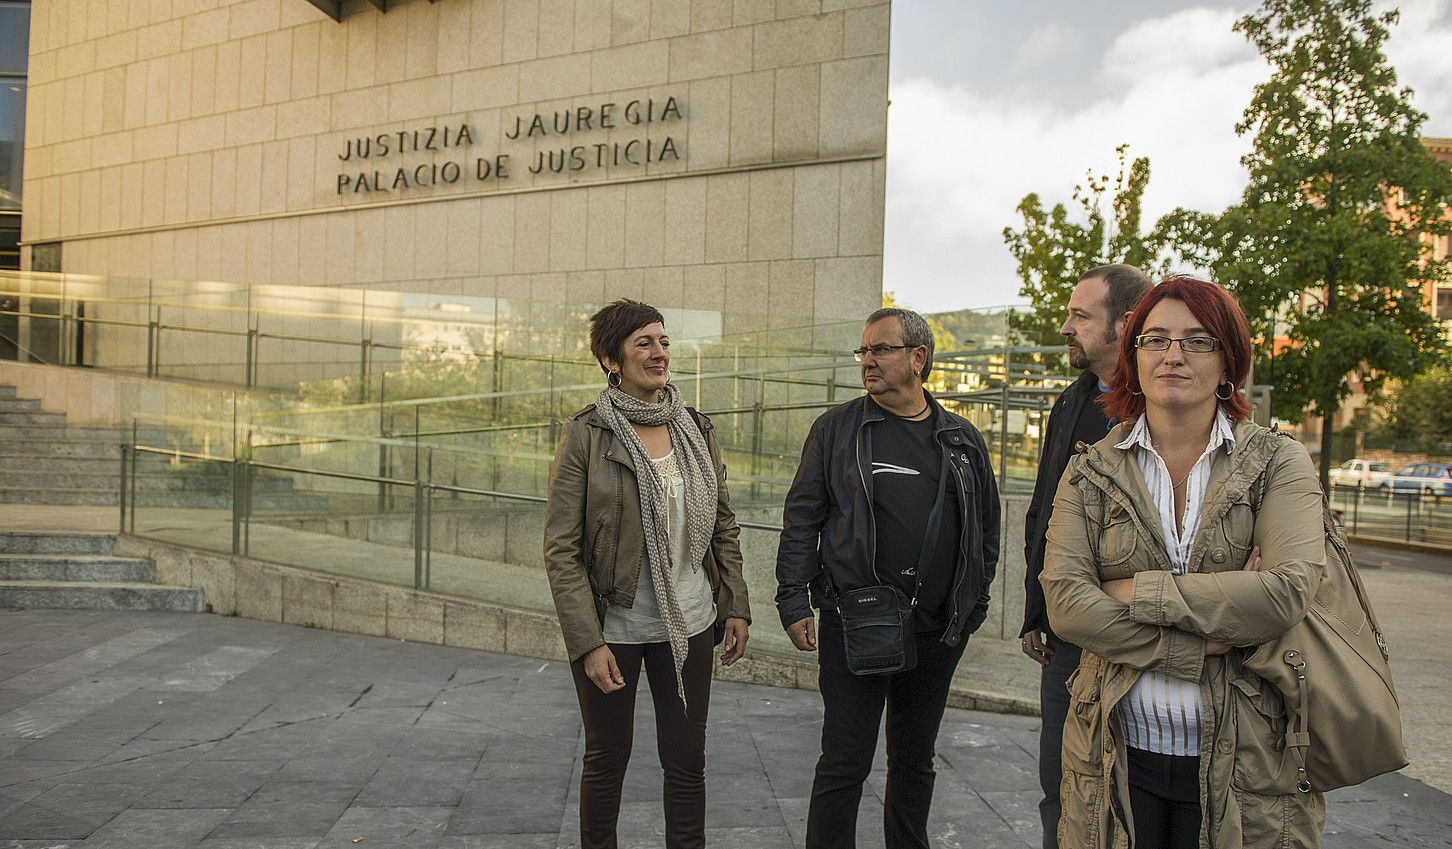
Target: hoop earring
x: 1227, y: 396
x: 613, y: 378
x: 1136, y: 391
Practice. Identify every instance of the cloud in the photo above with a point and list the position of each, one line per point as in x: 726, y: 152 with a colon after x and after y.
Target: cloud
x: 1048, y: 42
x: 961, y: 156
x: 1418, y: 49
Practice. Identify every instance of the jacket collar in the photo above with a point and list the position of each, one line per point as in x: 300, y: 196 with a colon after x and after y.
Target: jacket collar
x: 942, y: 419
x: 1110, y: 468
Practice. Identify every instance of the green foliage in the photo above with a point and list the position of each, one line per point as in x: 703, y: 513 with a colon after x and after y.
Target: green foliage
x: 1055, y: 247
x: 1420, y: 410
x: 1327, y: 234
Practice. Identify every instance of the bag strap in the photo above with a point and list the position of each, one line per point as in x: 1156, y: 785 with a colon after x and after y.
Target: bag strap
x: 1336, y: 538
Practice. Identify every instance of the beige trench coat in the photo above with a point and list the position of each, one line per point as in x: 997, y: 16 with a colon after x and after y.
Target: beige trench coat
x: 1105, y: 526
x: 594, y: 542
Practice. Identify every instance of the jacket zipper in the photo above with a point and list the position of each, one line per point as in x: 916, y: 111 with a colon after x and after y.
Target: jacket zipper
x: 872, y: 524
x: 957, y: 609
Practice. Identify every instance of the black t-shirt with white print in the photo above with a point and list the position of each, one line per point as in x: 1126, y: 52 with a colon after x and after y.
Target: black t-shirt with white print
x: 905, y: 465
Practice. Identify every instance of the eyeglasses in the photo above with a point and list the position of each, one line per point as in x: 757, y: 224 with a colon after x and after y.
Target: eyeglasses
x: 1190, y: 344
x: 877, y: 351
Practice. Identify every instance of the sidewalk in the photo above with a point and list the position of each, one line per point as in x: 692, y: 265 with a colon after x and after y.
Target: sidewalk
x: 132, y: 730
x: 195, y: 731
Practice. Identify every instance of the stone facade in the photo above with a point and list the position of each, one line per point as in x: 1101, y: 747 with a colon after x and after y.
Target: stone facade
x: 701, y: 154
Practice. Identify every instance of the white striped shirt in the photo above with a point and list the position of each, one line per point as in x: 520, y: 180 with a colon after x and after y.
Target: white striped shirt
x: 1160, y: 713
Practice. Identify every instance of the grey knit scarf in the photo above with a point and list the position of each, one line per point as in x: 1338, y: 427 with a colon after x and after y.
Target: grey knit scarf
x: 619, y: 410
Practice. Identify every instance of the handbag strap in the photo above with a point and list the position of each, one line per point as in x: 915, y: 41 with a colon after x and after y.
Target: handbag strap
x: 1334, y: 536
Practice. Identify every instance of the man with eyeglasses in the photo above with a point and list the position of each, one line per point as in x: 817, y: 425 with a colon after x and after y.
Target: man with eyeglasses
x: 892, y: 491
x: 1098, y: 308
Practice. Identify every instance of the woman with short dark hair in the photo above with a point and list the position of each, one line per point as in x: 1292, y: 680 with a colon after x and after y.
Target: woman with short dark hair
x: 1182, y: 540
x: 645, y: 567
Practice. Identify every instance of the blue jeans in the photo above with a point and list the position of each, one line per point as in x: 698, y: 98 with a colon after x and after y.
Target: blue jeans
x: 852, y: 711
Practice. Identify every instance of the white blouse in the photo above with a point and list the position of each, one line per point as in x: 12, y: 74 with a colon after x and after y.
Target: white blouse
x: 1160, y: 713
x: 642, y: 622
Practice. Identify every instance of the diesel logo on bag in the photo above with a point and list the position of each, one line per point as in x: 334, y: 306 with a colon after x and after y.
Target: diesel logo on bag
x: 868, y: 599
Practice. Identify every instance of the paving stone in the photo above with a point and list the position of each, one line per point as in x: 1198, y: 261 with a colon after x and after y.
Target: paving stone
x: 547, y: 840
x: 259, y: 843
x: 410, y: 783
x: 212, y: 784
x: 389, y: 828
x: 149, y: 827
x: 272, y: 817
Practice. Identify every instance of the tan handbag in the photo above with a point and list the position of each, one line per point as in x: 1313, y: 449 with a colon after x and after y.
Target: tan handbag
x: 1344, y: 723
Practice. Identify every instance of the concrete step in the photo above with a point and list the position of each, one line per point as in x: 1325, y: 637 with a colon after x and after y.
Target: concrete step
x: 146, y: 481
x: 279, y: 502
x: 66, y: 595
x: 37, y: 433
x: 33, y: 418
x: 20, y: 463
x: 54, y: 447
x: 42, y: 542
x: 76, y: 568
x: 12, y: 404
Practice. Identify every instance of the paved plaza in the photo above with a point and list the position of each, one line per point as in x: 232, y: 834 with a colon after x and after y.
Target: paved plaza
x: 144, y: 730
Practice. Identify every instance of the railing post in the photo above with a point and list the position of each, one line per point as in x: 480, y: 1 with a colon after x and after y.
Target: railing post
x: 418, y: 533
x: 1418, y: 500
x: 251, y: 355
x: 153, y: 333
x: 365, y: 361
x: 237, y: 496
x: 134, y: 453
x: 758, y: 424
x: 428, y: 571
x: 246, y: 506
x: 124, y: 482
x: 1003, y: 424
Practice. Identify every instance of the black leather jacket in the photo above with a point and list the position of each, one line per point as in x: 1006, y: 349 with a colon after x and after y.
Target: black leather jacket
x: 828, y: 521
x: 1058, y: 448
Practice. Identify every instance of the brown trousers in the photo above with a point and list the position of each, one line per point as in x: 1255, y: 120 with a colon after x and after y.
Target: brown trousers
x: 680, y: 741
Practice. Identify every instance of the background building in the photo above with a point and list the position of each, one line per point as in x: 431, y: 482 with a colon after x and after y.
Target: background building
x: 722, y: 158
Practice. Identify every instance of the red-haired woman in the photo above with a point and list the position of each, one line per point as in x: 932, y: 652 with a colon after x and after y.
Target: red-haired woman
x: 1151, y: 566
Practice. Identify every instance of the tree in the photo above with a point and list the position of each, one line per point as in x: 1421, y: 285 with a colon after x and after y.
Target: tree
x: 1420, y: 410
x: 1054, y: 248
x: 1328, y: 231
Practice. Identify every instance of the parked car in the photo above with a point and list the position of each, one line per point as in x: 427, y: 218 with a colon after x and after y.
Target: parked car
x: 1363, y: 474
x: 1426, y: 478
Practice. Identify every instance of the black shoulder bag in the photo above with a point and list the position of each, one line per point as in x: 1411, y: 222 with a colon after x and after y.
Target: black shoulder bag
x: 877, y: 621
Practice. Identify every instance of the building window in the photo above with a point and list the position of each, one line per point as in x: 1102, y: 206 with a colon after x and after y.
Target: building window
x: 14, y: 65
x: 1444, y: 303
x: 15, y: 38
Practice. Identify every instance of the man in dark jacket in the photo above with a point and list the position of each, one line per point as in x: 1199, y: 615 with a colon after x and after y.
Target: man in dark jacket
x: 892, y: 491
x: 1098, y: 307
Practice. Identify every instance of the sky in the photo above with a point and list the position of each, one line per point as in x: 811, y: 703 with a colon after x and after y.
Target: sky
x: 992, y: 100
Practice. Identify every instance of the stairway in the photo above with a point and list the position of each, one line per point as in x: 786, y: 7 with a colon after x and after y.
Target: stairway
x: 76, y: 571
x: 45, y: 460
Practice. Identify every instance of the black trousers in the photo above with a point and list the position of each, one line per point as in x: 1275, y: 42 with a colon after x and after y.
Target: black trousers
x: 1054, y: 707
x: 1164, y: 798
x: 852, y: 711
x: 680, y: 741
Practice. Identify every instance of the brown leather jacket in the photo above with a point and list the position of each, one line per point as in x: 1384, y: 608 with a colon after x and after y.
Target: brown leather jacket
x: 594, y: 542
x: 1104, y: 527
